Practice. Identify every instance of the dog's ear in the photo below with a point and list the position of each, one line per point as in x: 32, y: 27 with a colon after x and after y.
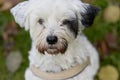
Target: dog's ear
x: 88, y: 15
x: 20, y: 13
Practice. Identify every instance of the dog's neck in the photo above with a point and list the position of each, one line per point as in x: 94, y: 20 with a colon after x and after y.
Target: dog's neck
x: 75, y: 54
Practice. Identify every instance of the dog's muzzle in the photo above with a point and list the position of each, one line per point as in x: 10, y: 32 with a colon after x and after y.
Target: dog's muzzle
x: 53, y: 45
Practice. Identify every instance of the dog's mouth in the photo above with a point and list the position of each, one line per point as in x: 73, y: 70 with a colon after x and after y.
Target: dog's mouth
x: 52, y: 50
x: 57, y: 48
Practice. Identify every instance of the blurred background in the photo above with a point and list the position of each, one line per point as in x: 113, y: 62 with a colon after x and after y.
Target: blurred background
x: 104, y: 34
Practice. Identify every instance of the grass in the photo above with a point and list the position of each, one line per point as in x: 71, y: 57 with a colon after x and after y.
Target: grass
x: 23, y: 48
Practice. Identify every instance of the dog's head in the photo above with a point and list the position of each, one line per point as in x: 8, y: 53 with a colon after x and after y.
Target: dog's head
x: 53, y: 24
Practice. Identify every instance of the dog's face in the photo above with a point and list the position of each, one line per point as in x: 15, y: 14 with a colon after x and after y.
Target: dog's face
x: 54, y: 25
x: 54, y: 28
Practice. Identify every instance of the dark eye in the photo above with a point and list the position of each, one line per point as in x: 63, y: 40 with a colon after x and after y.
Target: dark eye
x: 41, y: 21
x: 66, y: 22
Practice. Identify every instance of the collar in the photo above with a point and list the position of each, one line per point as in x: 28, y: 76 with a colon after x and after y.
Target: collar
x: 63, y: 75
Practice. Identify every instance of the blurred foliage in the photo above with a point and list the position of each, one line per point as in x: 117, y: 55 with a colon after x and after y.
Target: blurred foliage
x: 109, y: 55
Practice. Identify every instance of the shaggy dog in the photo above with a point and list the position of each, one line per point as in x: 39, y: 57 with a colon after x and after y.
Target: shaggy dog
x: 59, y: 49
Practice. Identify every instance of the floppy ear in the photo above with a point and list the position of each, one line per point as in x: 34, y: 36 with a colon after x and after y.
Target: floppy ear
x: 88, y: 15
x: 20, y: 13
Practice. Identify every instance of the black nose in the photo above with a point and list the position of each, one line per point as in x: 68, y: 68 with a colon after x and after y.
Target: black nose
x: 52, y: 39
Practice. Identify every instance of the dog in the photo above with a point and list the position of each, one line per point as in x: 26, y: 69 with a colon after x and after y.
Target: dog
x: 60, y: 50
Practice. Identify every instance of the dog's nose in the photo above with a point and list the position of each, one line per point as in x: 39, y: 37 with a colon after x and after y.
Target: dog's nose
x: 52, y: 39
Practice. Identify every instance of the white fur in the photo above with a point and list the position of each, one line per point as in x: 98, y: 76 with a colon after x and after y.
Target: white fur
x: 76, y: 53
x: 54, y: 12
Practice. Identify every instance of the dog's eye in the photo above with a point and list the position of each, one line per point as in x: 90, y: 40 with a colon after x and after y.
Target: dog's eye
x: 41, y: 21
x: 66, y: 22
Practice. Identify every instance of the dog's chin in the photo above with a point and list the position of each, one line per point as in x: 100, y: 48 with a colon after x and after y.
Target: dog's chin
x: 53, y: 49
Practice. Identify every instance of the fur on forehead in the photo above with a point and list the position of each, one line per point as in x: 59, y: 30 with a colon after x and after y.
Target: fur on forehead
x: 22, y: 11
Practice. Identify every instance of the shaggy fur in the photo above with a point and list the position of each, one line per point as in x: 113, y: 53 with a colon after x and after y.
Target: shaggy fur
x: 62, y: 21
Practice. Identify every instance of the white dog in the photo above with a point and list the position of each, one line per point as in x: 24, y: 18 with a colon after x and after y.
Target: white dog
x: 59, y: 49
